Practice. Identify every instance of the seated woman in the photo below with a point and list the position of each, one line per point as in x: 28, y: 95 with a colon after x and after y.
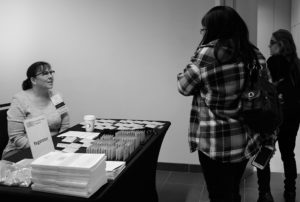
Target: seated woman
x: 37, y: 98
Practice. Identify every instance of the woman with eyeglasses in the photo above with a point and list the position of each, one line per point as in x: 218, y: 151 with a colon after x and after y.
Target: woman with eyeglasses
x: 215, y: 77
x: 37, y: 98
x: 284, y: 66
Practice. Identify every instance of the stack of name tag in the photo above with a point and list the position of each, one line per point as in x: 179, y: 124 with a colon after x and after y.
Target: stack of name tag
x: 75, y: 174
x: 119, y: 146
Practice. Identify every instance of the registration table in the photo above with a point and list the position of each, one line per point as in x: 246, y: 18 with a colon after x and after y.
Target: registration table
x: 136, y: 183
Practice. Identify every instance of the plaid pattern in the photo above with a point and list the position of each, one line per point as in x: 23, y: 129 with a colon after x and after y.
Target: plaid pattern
x: 214, y: 125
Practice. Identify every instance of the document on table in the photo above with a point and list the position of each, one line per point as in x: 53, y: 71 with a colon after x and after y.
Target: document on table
x: 125, y: 124
x: 113, y: 165
x: 114, y: 168
x: 79, y: 134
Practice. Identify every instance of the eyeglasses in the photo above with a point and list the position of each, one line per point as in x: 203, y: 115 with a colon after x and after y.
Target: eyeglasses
x: 272, y: 42
x: 46, y: 73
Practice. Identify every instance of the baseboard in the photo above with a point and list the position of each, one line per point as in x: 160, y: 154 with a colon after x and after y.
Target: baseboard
x: 180, y: 167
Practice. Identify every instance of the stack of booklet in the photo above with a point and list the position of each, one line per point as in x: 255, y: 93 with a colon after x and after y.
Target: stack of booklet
x: 76, y: 174
x: 113, y: 168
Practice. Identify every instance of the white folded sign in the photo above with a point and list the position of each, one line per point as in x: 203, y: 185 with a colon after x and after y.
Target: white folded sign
x: 39, y: 136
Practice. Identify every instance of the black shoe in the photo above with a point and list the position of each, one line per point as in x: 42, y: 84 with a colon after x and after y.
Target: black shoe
x: 265, y: 197
x: 289, y: 196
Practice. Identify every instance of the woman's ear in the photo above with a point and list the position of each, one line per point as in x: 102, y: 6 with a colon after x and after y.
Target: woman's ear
x: 280, y: 45
x: 32, y: 79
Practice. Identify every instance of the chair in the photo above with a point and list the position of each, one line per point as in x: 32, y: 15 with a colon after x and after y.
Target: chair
x: 3, y: 126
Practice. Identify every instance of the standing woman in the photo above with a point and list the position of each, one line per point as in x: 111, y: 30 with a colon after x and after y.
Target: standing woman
x: 215, y: 78
x: 284, y: 66
x: 37, y: 98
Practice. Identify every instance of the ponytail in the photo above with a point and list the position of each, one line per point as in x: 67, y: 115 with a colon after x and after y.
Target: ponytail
x: 27, y: 84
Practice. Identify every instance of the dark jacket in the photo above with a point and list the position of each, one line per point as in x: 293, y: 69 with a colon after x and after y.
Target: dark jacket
x: 283, y: 76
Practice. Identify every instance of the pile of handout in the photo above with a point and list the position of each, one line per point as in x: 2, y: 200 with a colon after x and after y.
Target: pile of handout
x: 113, y: 168
x: 76, y: 174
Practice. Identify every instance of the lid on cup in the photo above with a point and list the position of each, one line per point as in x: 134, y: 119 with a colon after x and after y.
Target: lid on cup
x: 89, y: 117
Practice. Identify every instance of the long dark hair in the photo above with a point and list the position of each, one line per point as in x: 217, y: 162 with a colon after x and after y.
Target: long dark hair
x: 32, y: 71
x: 224, y: 24
x: 288, y: 50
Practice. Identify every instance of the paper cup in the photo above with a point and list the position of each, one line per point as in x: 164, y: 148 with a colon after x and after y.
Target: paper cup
x: 89, y: 122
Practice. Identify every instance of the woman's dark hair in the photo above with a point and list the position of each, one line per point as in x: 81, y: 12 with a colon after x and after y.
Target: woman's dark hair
x: 224, y: 24
x: 288, y: 50
x: 32, y: 71
x: 287, y: 44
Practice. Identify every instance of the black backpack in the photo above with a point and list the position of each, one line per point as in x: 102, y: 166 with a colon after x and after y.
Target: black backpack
x: 260, y: 109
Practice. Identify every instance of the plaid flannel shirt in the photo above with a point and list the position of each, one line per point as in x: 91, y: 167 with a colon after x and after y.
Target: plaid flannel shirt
x: 215, y: 128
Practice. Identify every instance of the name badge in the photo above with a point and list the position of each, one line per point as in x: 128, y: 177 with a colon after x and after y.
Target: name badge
x: 59, y: 104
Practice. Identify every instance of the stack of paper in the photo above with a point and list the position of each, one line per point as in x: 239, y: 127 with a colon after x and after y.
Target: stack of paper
x: 113, y: 168
x: 74, y: 174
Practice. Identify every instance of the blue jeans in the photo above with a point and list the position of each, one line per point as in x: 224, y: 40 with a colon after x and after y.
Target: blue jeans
x: 222, y: 179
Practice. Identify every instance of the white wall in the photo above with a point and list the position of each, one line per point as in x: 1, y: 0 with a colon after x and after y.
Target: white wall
x: 272, y: 15
x: 113, y: 58
x: 248, y: 11
x: 295, y: 23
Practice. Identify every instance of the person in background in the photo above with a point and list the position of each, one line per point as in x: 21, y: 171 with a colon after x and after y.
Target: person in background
x: 37, y: 98
x: 215, y: 78
x: 284, y: 66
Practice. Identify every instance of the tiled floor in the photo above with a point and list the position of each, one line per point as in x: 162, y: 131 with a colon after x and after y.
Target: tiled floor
x: 190, y: 187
